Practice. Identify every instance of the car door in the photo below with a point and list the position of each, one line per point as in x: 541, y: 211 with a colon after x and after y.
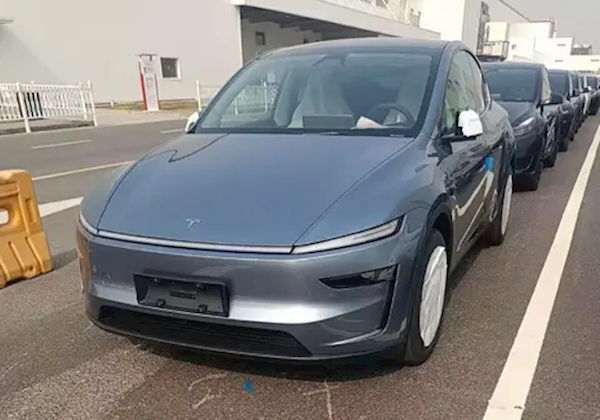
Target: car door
x: 468, y: 165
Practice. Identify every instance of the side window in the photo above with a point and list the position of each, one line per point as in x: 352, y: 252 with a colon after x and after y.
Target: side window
x: 462, y: 92
x: 546, y: 89
x: 481, y: 92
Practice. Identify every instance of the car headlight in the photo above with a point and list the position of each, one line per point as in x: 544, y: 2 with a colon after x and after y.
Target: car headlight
x: 525, y: 127
x: 374, y: 234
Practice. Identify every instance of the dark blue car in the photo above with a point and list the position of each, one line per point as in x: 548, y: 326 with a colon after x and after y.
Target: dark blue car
x: 313, y: 211
x: 524, y: 90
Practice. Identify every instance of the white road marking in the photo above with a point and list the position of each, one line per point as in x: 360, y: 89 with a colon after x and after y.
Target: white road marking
x: 206, y: 398
x: 82, y: 170
x: 512, y: 389
x: 47, y: 209
x: 176, y: 130
x: 206, y: 378
x: 327, y: 391
x: 67, y: 143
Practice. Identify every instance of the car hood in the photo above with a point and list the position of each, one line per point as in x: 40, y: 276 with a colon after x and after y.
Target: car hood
x: 517, y: 111
x: 240, y: 189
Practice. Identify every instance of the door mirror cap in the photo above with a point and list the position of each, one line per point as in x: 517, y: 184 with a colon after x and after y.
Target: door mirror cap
x: 470, y: 124
x: 191, y: 122
x: 555, y: 99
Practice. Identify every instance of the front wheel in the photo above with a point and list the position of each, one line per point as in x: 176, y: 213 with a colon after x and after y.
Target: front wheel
x: 531, y: 182
x: 499, y: 226
x: 431, y: 277
x: 564, y: 144
x: 550, y: 161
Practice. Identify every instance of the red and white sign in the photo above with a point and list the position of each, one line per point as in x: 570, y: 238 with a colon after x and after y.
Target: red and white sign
x: 149, y: 81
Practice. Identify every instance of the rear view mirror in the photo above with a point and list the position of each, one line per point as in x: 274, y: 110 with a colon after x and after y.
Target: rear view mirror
x: 555, y: 99
x: 470, y: 124
x: 191, y: 122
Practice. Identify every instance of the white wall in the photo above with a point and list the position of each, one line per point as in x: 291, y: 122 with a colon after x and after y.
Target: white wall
x: 65, y: 41
x: 275, y: 37
x: 583, y: 63
x: 555, y: 47
x: 455, y: 20
x: 537, y: 30
x: 498, y: 31
x: 445, y: 17
x: 471, y: 21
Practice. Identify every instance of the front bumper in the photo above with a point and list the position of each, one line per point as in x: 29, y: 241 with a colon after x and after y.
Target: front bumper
x: 529, y: 148
x: 279, y: 307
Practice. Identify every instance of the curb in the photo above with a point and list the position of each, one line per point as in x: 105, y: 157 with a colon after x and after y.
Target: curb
x: 57, y: 126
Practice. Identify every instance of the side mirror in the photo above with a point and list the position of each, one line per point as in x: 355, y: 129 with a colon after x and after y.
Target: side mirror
x: 586, y: 90
x: 470, y: 124
x: 555, y: 99
x: 191, y: 122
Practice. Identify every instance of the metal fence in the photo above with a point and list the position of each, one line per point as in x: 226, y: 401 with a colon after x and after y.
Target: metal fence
x: 251, y: 100
x: 34, y: 102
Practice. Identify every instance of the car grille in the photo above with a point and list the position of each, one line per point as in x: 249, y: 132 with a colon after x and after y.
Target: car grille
x: 203, y: 334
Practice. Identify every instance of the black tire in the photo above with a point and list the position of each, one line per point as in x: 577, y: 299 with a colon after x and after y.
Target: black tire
x: 531, y: 182
x: 495, y: 236
x: 550, y: 161
x: 566, y: 141
x: 415, y: 351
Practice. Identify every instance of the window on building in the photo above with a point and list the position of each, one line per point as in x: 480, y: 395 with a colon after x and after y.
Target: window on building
x: 261, y: 38
x: 513, y: 46
x: 562, y: 45
x: 170, y: 68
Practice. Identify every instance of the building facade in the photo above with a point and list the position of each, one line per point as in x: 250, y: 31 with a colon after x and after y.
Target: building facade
x: 67, y: 41
x: 538, y: 42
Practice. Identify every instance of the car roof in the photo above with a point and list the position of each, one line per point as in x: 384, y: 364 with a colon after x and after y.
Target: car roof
x: 513, y: 65
x: 558, y: 71
x: 362, y: 44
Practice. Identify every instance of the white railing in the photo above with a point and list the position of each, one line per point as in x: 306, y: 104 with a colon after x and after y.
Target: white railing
x: 252, y: 100
x: 29, y: 102
x: 389, y: 9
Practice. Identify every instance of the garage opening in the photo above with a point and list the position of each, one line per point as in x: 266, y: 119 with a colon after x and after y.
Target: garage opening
x: 264, y: 30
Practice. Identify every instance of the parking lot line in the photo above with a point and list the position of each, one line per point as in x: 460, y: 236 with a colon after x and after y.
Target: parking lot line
x: 67, y: 143
x: 509, y: 397
x: 177, y: 130
x: 48, y: 209
x: 82, y: 170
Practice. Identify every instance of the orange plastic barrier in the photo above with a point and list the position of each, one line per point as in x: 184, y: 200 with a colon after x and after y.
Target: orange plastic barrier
x: 24, y: 251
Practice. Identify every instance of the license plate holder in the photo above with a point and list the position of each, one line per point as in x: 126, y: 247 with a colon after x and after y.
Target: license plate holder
x: 189, y: 296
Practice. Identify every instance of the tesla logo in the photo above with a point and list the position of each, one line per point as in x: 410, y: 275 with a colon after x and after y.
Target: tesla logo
x: 191, y: 222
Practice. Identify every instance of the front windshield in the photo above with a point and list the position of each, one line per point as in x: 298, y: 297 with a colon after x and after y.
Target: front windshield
x: 575, y: 81
x: 512, y: 84
x: 320, y: 92
x: 558, y: 83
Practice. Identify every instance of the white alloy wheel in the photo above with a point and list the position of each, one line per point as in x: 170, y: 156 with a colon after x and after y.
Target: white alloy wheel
x: 508, y: 190
x: 433, y: 295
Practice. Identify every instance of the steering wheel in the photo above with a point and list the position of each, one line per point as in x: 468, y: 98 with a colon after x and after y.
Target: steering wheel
x: 389, y: 106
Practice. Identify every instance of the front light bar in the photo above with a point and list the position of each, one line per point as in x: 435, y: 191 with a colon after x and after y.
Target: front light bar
x: 369, y: 235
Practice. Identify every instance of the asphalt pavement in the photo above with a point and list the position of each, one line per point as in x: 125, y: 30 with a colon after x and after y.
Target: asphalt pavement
x: 55, y: 365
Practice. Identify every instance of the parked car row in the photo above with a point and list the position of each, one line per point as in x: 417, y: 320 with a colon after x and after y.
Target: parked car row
x: 546, y: 108
x: 326, y: 224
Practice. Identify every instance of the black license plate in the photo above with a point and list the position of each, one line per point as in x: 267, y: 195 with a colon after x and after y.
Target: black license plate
x: 189, y: 296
